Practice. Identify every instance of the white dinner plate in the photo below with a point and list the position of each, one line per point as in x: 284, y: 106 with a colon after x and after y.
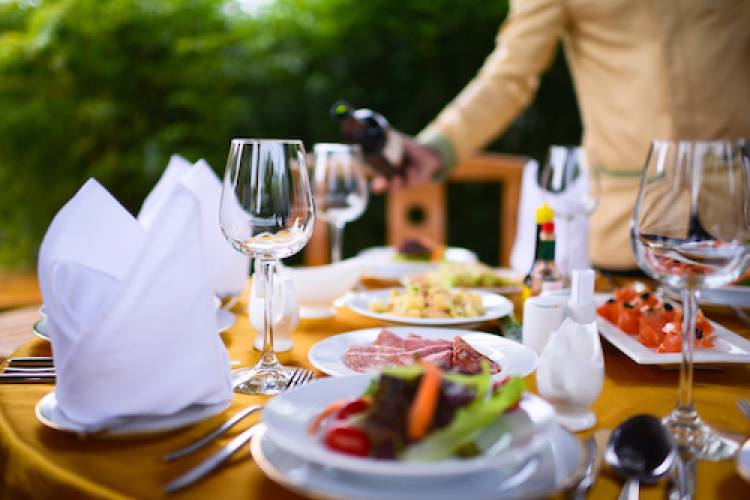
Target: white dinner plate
x: 729, y: 347
x: 50, y: 415
x: 495, y: 306
x: 513, y: 357
x: 551, y: 470
x: 224, y: 321
x: 289, y: 414
x: 383, y: 262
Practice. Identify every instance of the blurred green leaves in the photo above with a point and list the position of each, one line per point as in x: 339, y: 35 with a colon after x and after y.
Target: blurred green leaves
x: 111, y: 88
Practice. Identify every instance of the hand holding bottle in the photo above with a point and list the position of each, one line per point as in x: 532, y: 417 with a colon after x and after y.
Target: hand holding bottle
x: 419, y: 165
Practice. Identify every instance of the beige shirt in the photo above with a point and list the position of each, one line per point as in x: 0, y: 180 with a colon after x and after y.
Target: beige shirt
x: 643, y: 69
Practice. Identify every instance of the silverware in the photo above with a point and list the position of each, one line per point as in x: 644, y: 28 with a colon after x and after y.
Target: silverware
x: 27, y: 378
x: 31, y: 361
x: 24, y: 369
x: 744, y: 406
x: 299, y: 377
x: 211, y: 436
x: 590, y: 471
x: 640, y: 449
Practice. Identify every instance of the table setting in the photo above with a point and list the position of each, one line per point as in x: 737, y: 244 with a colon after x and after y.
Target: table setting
x: 161, y: 367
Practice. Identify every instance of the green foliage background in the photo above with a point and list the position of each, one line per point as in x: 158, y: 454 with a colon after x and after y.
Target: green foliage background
x: 111, y: 88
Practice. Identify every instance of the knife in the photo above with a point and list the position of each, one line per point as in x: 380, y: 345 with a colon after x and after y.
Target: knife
x: 31, y: 361
x: 211, y: 463
x: 27, y: 378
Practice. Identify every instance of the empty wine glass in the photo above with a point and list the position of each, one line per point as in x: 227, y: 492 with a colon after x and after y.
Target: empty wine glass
x: 691, y: 230
x: 266, y: 212
x: 340, y: 189
x: 562, y: 178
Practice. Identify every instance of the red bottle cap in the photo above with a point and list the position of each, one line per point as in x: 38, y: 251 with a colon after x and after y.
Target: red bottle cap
x: 548, y: 227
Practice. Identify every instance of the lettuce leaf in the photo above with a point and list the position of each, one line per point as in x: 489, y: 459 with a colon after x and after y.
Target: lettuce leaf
x: 466, y: 426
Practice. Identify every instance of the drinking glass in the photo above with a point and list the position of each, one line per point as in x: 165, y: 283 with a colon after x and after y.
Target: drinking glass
x: 340, y: 189
x: 691, y: 230
x: 266, y: 212
x: 562, y: 169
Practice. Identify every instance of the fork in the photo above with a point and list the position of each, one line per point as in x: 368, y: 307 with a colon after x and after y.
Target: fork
x: 300, y: 376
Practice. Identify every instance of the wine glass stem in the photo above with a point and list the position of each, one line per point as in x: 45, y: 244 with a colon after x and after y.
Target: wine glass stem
x: 685, y: 396
x: 337, y: 236
x: 268, y: 358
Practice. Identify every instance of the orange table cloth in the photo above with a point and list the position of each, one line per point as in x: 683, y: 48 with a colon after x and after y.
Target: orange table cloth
x: 37, y: 462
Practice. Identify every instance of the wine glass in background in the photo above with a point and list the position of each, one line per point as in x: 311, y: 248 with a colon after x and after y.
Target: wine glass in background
x: 340, y: 189
x: 266, y: 212
x: 691, y: 230
x: 571, y: 188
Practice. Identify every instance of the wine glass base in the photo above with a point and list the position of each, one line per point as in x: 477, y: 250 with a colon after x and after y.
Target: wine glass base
x: 690, y: 432
x: 260, y: 380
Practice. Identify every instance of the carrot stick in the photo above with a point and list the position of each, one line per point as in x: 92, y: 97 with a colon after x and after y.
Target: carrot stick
x: 425, y: 402
x: 327, y: 412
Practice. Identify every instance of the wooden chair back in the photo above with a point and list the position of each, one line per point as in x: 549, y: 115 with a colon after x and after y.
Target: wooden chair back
x: 430, y: 201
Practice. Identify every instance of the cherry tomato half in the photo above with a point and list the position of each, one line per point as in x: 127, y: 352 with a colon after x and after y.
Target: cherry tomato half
x: 347, y: 439
x: 352, y: 408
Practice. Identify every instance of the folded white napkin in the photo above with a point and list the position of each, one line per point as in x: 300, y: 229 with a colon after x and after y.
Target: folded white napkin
x: 130, y: 311
x: 228, y: 269
x: 571, y: 223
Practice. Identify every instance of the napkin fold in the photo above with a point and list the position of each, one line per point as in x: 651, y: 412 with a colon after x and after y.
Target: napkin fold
x: 228, y: 269
x: 130, y: 311
x: 571, y: 223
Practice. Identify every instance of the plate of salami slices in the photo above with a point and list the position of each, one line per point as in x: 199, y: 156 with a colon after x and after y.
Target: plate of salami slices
x: 368, y: 350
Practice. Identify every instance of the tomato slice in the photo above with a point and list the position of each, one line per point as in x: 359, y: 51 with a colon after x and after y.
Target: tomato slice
x: 650, y: 327
x: 627, y: 320
x: 608, y: 310
x: 347, y: 439
x: 353, y: 407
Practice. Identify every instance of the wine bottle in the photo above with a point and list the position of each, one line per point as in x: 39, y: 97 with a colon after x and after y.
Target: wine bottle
x: 381, y: 146
x: 543, y: 214
x: 545, y: 277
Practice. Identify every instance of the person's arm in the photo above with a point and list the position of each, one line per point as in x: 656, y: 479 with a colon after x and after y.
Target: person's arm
x: 504, y: 86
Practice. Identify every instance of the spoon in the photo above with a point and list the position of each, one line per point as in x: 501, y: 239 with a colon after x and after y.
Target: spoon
x: 640, y: 450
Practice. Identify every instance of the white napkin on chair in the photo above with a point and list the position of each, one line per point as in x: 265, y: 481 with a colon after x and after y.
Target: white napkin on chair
x: 130, y: 311
x: 571, y: 223
x: 228, y: 269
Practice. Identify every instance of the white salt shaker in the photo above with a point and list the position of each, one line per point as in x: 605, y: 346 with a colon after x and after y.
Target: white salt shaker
x: 570, y: 373
x: 285, y: 312
x: 541, y: 316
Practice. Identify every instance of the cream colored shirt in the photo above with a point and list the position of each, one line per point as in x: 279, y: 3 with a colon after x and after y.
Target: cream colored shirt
x: 643, y: 69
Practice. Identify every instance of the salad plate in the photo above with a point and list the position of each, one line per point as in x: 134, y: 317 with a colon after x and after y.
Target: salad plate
x: 450, y: 274
x: 550, y: 470
x: 49, y: 414
x: 495, y: 306
x: 513, y: 357
x: 287, y: 416
x: 728, y: 348
x: 384, y: 263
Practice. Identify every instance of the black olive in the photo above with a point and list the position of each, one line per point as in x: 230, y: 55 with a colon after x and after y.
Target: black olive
x: 628, y: 305
x: 611, y: 301
x: 668, y: 307
x: 698, y: 333
x: 645, y: 296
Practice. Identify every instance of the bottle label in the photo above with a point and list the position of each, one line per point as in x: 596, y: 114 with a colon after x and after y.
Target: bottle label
x: 393, y: 150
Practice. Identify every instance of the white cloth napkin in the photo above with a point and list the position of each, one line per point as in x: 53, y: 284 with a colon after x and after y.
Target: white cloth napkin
x: 571, y: 223
x: 130, y: 311
x: 228, y: 269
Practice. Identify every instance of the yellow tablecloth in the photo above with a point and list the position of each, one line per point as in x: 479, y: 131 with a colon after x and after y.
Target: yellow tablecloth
x: 38, y: 462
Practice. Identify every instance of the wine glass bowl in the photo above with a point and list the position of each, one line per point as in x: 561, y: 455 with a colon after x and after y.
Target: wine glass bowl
x: 691, y: 230
x: 266, y: 212
x: 340, y: 188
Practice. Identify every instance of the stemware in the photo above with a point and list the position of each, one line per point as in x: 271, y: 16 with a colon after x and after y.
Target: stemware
x: 340, y: 189
x: 266, y: 212
x: 691, y: 230
x: 566, y: 167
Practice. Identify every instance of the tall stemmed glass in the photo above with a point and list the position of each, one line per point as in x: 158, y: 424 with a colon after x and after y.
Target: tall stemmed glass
x: 691, y: 230
x: 564, y: 167
x: 340, y: 189
x: 266, y: 212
